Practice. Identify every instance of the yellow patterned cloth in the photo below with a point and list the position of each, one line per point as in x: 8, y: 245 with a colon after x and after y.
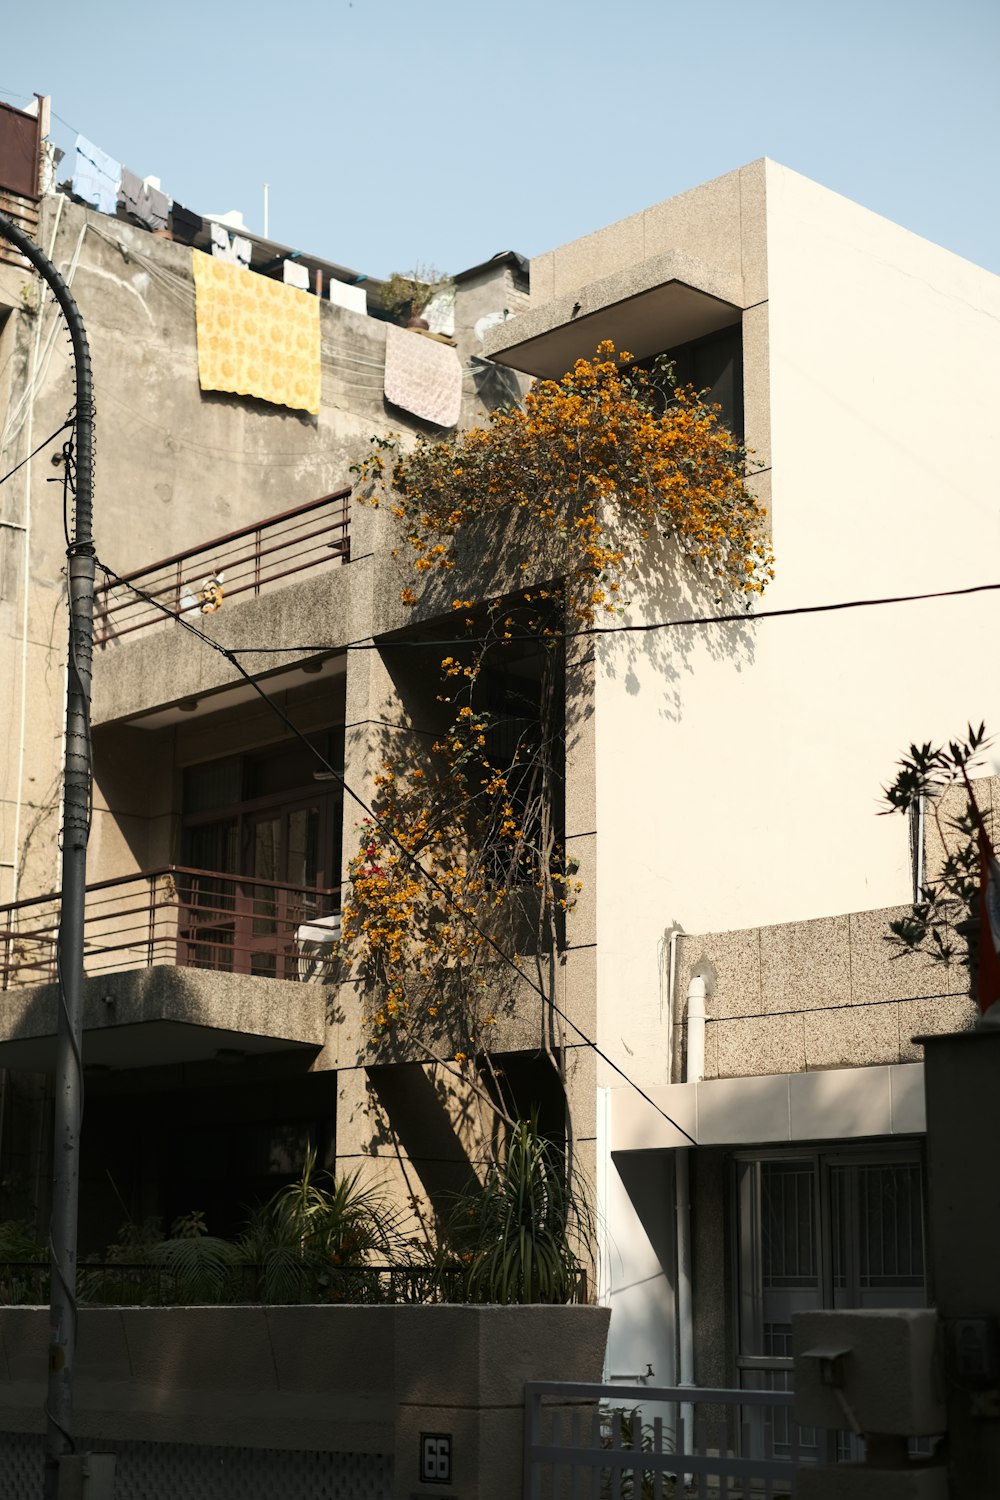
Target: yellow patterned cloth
x: 256, y: 336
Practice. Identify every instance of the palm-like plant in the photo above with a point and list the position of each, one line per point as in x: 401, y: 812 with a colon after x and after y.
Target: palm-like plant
x: 200, y: 1266
x: 314, y: 1226
x: 527, y: 1235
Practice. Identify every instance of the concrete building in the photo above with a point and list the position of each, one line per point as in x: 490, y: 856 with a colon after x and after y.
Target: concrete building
x: 210, y: 1066
x: 721, y: 781
x: 862, y: 363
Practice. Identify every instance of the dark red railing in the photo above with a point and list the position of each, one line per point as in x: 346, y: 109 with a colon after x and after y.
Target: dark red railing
x: 195, y: 919
x: 251, y: 560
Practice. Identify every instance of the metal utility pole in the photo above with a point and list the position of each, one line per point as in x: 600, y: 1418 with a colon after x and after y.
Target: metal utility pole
x: 76, y: 830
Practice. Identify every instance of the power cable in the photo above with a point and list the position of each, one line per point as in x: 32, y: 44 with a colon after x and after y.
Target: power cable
x: 822, y: 1010
x: 451, y: 642
x: 391, y: 837
x: 34, y: 453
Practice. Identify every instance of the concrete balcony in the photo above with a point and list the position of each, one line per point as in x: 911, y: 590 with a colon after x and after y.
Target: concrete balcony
x: 282, y: 581
x: 181, y: 966
x: 654, y: 305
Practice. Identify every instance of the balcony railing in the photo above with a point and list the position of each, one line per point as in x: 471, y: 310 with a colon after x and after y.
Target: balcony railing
x: 106, y: 1283
x: 193, y: 919
x: 250, y: 560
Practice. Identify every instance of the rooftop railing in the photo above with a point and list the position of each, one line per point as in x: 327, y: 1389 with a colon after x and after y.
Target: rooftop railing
x: 248, y: 561
x: 193, y: 919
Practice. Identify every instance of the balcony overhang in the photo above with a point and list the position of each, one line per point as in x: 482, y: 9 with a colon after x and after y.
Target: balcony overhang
x: 773, y: 1109
x: 644, y: 309
x: 153, y: 1017
x: 160, y: 677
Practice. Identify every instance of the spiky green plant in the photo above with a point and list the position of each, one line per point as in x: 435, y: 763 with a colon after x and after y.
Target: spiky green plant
x: 526, y: 1236
x: 623, y: 1428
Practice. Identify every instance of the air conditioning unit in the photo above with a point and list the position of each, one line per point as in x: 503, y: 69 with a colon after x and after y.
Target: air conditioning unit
x: 316, y: 943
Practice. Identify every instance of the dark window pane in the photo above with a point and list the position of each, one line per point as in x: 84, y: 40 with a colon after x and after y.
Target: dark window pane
x: 890, y: 1217
x: 217, y: 784
x: 788, y: 1222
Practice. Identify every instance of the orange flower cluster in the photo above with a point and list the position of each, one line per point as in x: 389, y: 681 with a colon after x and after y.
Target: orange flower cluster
x: 445, y: 867
x: 600, y: 461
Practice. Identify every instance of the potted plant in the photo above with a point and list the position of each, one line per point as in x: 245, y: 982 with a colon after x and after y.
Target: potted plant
x: 407, y: 293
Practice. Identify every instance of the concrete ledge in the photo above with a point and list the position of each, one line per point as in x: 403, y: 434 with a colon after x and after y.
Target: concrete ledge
x: 646, y: 308
x: 244, y: 1376
x: 834, y: 1104
x: 167, y: 665
x: 164, y: 1015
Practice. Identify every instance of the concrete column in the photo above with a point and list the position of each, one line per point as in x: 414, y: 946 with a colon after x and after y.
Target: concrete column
x: 960, y: 1077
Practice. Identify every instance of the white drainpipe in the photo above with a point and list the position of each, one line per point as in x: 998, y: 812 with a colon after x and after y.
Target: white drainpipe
x: 694, y: 1071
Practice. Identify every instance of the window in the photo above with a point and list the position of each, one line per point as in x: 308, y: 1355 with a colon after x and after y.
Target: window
x: 260, y: 833
x: 843, y: 1228
x: 713, y: 363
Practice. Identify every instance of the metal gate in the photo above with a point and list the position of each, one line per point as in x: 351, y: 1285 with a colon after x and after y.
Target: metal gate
x: 613, y: 1442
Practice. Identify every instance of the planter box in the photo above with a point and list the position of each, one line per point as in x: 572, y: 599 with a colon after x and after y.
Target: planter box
x: 358, y: 1380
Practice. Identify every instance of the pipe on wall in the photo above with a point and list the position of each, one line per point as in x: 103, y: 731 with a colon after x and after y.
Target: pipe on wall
x: 694, y: 1071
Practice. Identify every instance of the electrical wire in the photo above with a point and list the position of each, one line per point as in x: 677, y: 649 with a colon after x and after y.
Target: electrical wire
x: 35, y: 451
x: 388, y: 833
x: 823, y: 1010
x: 450, y: 642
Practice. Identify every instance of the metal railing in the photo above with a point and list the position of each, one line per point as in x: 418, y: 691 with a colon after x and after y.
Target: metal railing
x: 251, y: 560
x: 577, y: 1451
x: 153, y: 1284
x: 141, y: 1284
x: 194, y: 919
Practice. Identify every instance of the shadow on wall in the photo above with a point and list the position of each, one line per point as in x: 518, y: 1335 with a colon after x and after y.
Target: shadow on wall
x: 449, y: 1135
x: 664, y: 586
x: 643, y: 1324
x: 654, y: 662
x: 423, y: 1116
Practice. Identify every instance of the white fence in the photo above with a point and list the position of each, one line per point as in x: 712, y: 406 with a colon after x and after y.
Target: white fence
x: 615, y: 1442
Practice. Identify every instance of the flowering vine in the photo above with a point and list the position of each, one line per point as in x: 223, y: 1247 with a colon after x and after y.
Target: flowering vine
x: 598, y: 461
x: 464, y: 858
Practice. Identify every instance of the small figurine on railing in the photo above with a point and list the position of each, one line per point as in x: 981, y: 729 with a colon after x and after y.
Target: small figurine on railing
x: 208, y: 598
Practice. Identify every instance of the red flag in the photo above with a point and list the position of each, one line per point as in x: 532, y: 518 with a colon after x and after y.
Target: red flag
x: 988, y: 986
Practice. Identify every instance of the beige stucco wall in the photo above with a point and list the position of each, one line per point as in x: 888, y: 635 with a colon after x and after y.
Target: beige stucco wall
x: 738, y: 768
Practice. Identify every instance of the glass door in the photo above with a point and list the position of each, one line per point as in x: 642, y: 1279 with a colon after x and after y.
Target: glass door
x: 261, y: 842
x: 282, y: 863
x: 207, y: 905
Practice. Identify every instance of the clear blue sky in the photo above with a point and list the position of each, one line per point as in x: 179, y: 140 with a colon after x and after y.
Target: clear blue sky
x: 440, y: 132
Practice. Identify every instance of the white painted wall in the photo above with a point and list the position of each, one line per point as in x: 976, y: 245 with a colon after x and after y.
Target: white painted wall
x: 738, y: 772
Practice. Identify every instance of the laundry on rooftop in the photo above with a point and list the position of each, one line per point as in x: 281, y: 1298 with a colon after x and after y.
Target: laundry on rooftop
x: 259, y: 336
x: 106, y: 184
